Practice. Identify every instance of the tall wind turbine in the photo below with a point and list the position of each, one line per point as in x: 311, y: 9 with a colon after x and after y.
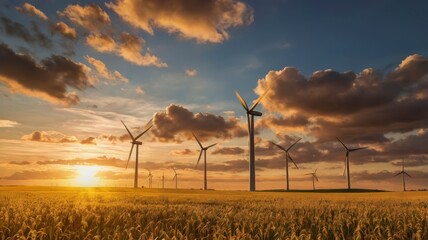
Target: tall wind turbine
x: 250, y: 120
x: 403, y: 173
x: 314, y: 177
x: 287, y: 157
x: 203, y: 150
x: 176, y: 178
x: 138, y: 143
x: 348, y: 150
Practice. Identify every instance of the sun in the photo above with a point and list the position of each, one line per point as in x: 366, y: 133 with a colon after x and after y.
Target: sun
x: 86, y: 176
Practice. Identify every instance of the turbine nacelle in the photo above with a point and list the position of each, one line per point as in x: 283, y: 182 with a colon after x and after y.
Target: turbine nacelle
x: 255, y: 113
x: 137, y: 142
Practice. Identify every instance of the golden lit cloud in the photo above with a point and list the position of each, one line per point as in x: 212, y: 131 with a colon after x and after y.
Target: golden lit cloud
x: 191, y: 72
x: 65, y: 30
x: 101, y: 42
x: 32, y: 10
x: 8, y: 123
x: 104, y: 72
x: 204, y: 21
x: 90, y: 17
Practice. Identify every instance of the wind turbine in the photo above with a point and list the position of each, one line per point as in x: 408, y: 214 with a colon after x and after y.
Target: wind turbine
x: 176, y: 178
x: 203, y: 150
x: 150, y: 178
x: 250, y: 120
x: 287, y: 157
x: 403, y: 173
x: 163, y: 180
x: 138, y: 143
x: 314, y: 177
x: 348, y: 150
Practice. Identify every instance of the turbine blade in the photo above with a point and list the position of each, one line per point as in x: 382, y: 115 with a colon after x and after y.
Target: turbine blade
x: 407, y: 174
x: 130, y: 134
x: 308, y: 174
x: 174, y: 177
x: 141, y: 134
x: 212, y: 145
x: 289, y: 158
x: 174, y: 170
x: 356, y: 149
x: 293, y: 144
x: 279, y: 146
x: 258, y: 101
x: 344, y: 170
x: 243, y: 103
x: 248, y: 122
x: 197, y: 140
x: 315, y: 170
x: 316, y: 178
x: 342, y: 143
x: 129, y: 157
x: 199, y: 158
x: 398, y: 173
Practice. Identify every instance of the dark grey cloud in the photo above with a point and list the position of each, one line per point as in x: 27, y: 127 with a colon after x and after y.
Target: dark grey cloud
x: 229, y: 151
x: 32, y: 35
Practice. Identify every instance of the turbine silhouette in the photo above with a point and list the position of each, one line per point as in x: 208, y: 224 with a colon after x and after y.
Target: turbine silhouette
x: 314, y: 177
x: 203, y: 150
x: 403, y: 172
x: 250, y: 120
x: 150, y: 178
x: 287, y: 157
x: 176, y: 178
x: 348, y: 150
x: 138, y: 143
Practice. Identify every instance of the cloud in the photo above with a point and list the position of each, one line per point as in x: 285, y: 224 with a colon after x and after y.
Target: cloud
x: 363, y: 107
x: 65, y: 30
x: 185, y: 152
x: 89, y: 141
x: 229, y: 151
x: 103, y: 70
x: 19, y: 163
x: 32, y: 10
x: 32, y: 36
x: 49, y: 137
x: 139, y: 90
x: 90, y: 17
x: 50, y: 79
x: 8, y: 123
x: 177, y: 123
x: 191, y: 72
x: 101, y: 42
x: 98, y: 161
x: 130, y: 48
x: 48, y: 174
x: 204, y: 21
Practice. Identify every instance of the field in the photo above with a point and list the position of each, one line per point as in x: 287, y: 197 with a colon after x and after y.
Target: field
x: 115, y: 213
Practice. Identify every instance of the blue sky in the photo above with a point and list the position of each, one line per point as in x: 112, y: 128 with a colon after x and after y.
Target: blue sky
x: 267, y: 36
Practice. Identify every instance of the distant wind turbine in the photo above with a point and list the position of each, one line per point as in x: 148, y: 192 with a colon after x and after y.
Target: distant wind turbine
x: 287, y: 157
x: 348, y: 150
x: 403, y: 173
x: 163, y: 180
x: 138, y: 143
x: 250, y: 120
x: 314, y: 177
x: 150, y: 178
x: 203, y: 150
x: 176, y: 178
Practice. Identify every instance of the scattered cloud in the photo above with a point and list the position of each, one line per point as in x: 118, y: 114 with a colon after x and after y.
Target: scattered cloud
x: 89, y: 141
x: 50, y: 137
x: 391, y: 103
x: 98, y: 161
x: 8, y: 123
x: 104, y: 72
x: 177, y: 123
x: 191, y: 72
x: 20, y: 163
x: 50, y: 79
x: 229, y: 151
x: 139, y: 90
x: 65, y: 30
x: 90, y: 17
x: 204, y: 21
x: 31, y: 36
x: 185, y: 152
x: 101, y: 42
x: 31, y: 10
x: 48, y: 174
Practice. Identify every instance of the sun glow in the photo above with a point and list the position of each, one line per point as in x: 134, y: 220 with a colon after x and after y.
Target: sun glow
x: 87, y: 176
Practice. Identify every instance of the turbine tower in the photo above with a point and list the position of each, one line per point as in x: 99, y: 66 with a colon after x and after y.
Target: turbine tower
x: 403, y: 173
x: 138, y: 143
x: 203, y: 150
x: 348, y: 150
x: 150, y: 178
x: 176, y: 178
x: 163, y: 181
x: 314, y: 177
x: 250, y: 120
x: 287, y: 157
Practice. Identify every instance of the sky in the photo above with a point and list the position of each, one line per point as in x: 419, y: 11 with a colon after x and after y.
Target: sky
x: 70, y: 71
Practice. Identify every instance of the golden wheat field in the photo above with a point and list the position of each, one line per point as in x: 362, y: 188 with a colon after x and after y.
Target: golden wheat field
x: 115, y: 213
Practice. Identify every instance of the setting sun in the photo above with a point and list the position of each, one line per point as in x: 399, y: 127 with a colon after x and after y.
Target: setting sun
x: 86, y: 176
